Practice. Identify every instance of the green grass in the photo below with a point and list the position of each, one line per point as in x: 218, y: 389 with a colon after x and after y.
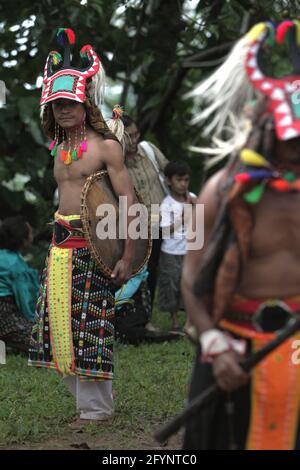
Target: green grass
x: 150, y: 384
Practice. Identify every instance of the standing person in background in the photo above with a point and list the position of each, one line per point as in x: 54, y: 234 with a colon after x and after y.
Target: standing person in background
x: 173, y: 247
x: 146, y: 163
x: 19, y: 284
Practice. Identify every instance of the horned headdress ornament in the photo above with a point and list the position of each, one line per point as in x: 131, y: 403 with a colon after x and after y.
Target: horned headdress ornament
x: 226, y: 92
x: 63, y: 80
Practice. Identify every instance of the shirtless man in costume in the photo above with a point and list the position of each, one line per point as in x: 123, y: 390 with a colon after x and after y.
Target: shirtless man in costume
x: 247, y: 286
x: 75, y: 326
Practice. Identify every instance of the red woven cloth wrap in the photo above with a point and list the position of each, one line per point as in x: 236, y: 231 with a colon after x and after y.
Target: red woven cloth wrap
x: 73, y: 241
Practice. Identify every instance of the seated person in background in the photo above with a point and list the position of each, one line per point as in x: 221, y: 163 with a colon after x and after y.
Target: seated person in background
x: 18, y: 284
x: 173, y: 247
x: 133, y: 312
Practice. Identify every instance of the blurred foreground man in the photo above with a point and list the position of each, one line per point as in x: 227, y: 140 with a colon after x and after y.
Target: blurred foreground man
x: 244, y: 286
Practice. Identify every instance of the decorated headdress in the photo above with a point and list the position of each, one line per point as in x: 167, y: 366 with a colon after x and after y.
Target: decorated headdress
x: 84, y: 84
x: 63, y: 80
x: 281, y: 92
x: 227, y: 90
x: 116, y: 125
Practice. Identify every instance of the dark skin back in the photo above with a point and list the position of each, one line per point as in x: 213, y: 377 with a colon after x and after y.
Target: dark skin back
x: 273, y: 266
x: 100, y: 154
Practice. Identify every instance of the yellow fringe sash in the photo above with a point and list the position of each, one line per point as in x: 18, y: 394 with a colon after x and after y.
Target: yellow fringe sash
x: 59, y: 292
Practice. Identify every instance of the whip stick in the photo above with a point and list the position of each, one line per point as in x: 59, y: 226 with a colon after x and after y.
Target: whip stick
x: 165, y: 432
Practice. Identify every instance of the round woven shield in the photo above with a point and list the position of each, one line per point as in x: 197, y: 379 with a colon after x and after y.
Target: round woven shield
x: 100, y: 211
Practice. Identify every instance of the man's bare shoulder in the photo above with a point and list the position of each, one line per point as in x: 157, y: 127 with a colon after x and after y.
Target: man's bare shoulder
x: 105, y: 150
x: 112, y: 154
x: 112, y: 147
x: 211, y: 189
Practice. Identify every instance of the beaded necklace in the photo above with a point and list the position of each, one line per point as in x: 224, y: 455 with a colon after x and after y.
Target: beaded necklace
x: 257, y: 168
x: 69, y: 154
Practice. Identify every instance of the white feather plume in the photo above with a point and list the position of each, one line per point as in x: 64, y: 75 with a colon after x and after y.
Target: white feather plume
x: 97, y: 91
x: 225, y: 94
x: 116, y: 126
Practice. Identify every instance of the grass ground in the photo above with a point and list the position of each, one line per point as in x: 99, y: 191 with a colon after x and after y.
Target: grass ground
x: 150, y: 385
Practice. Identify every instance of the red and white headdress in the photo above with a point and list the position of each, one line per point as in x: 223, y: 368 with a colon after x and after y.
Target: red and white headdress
x: 281, y: 92
x: 243, y: 77
x: 62, y: 80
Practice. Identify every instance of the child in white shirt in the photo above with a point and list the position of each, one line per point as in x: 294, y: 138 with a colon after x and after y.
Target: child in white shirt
x: 173, y: 247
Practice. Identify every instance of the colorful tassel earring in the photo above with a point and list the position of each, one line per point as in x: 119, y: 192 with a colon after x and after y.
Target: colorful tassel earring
x: 83, y: 144
x: 54, y: 143
x: 74, y: 151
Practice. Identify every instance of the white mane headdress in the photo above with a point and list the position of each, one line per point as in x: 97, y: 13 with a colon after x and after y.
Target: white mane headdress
x: 225, y: 94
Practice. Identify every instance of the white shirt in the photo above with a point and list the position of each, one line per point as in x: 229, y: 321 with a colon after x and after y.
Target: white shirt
x: 171, y: 211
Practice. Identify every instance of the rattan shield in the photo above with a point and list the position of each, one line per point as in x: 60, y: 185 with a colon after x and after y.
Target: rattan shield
x: 106, y: 252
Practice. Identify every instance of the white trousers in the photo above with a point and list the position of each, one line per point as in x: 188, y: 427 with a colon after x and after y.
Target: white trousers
x: 94, y: 400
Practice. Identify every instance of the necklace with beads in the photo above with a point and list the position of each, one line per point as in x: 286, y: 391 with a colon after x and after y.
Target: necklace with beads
x: 257, y: 169
x: 67, y: 153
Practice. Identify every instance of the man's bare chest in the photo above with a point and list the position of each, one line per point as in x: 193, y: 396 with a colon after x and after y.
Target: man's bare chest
x: 276, y: 223
x: 77, y: 170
